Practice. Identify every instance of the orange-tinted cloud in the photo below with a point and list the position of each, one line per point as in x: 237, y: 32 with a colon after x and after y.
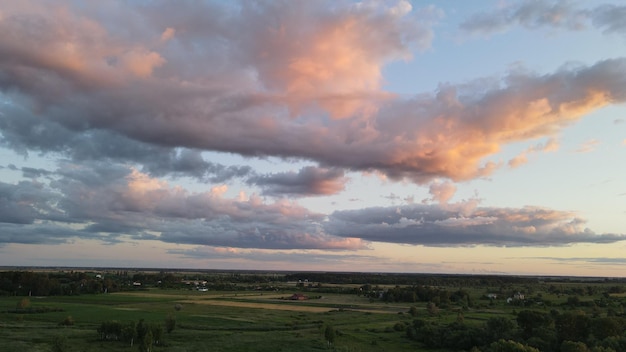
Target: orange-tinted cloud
x: 550, y: 145
x: 441, y: 192
x: 291, y: 80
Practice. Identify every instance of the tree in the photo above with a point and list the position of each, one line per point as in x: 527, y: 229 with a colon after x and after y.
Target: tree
x: 170, y: 324
x: 509, y: 346
x: 157, y: 333
x: 59, y: 343
x: 68, y: 321
x: 572, y: 326
x: 530, y: 320
x: 606, y: 327
x: 110, y: 330
x: 129, y: 332
x: 572, y: 346
x: 498, y: 328
x: 146, y: 342
x: 413, y: 311
x: 142, y: 330
x: 432, y: 308
x: 329, y: 335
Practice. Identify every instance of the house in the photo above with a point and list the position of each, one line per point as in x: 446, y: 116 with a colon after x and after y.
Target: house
x: 516, y: 297
x: 298, y: 297
x: 491, y: 295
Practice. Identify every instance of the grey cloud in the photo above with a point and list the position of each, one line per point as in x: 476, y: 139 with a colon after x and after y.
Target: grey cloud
x: 309, y: 181
x: 42, y: 233
x: 609, y: 18
x: 110, y: 202
x: 597, y: 260
x: 254, y: 235
x: 445, y: 226
x: 205, y: 252
x: 126, y: 205
x: 535, y: 14
x: 24, y: 131
x: 29, y: 172
x: 25, y: 202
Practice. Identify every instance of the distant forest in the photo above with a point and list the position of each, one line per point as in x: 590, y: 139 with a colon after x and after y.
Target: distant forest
x: 418, y: 287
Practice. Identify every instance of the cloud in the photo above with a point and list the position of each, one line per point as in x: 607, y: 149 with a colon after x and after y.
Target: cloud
x: 309, y: 181
x: 598, y: 260
x: 168, y: 34
x: 430, y: 225
x: 283, y: 256
x: 299, y: 80
x: 30, y: 172
x: 610, y: 18
x: 518, y: 160
x: 535, y: 14
x: 441, y: 192
x: 23, y: 131
x: 588, y: 146
x: 113, y: 202
x: 550, y: 145
x: 528, y: 14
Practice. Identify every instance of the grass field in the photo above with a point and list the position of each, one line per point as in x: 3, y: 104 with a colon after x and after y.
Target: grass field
x: 208, y: 321
x: 251, y: 320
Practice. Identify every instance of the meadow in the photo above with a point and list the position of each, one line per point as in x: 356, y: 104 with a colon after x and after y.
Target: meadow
x: 267, y: 320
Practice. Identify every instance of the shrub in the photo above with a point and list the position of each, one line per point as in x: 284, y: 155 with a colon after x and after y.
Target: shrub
x: 68, y: 321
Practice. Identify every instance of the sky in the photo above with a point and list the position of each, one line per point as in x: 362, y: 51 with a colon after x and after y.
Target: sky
x: 467, y: 137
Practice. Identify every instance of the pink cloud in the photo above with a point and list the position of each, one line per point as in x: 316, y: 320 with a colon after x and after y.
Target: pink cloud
x: 295, y: 80
x: 519, y: 160
x: 441, y: 192
x: 550, y: 145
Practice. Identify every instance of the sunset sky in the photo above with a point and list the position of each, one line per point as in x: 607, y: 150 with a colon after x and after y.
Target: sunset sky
x: 479, y: 137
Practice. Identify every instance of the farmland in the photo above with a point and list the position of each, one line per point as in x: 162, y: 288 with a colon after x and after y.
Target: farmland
x: 256, y: 313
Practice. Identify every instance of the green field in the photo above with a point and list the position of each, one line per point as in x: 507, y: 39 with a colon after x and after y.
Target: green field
x: 211, y: 321
x: 251, y: 318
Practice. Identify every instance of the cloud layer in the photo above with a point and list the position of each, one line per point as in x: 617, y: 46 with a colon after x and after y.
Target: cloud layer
x: 125, y: 96
x: 297, y: 80
x: 536, y: 14
x: 113, y: 204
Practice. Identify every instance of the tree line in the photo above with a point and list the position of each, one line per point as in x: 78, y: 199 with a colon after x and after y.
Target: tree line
x: 145, y: 335
x: 530, y: 330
